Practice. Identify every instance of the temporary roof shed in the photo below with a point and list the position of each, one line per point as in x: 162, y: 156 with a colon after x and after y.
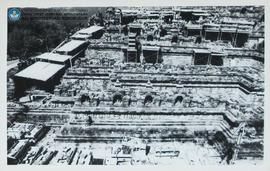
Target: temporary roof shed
x: 70, y: 46
x: 90, y: 30
x: 54, y: 57
x: 41, y: 71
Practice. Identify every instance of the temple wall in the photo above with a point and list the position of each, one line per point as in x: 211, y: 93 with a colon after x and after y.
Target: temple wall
x: 177, y: 60
x: 229, y: 61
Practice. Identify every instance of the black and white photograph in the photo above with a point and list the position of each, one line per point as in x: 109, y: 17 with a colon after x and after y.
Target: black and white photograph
x: 135, y: 85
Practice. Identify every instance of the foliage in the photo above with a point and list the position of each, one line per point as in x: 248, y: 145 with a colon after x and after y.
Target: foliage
x: 27, y: 38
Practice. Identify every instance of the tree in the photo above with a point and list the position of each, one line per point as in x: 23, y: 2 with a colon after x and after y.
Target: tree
x: 100, y: 19
x: 92, y: 21
x: 27, y: 39
x: 110, y: 12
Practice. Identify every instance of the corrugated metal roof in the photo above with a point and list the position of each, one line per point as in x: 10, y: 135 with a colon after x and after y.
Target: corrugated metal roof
x: 193, y: 26
x: 90, y: 30
x: 229, y: 30
x: 201, y: 14
x: 80, y: 36
x: 238, y: 22
x: 40, y: 71
x: 201, y: 50
x: 54, y: 57
x: 70, y: 46
x: 152, y: 48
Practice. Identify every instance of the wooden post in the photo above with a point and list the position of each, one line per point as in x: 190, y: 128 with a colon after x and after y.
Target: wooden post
x: 236, y: 37
x: 127, y: 55
x: 193, y: 59
x: 136, y: 56
x: 209, y: 59
x: 220, y: 35
x: 157, y: 56
x: 70, y: 62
